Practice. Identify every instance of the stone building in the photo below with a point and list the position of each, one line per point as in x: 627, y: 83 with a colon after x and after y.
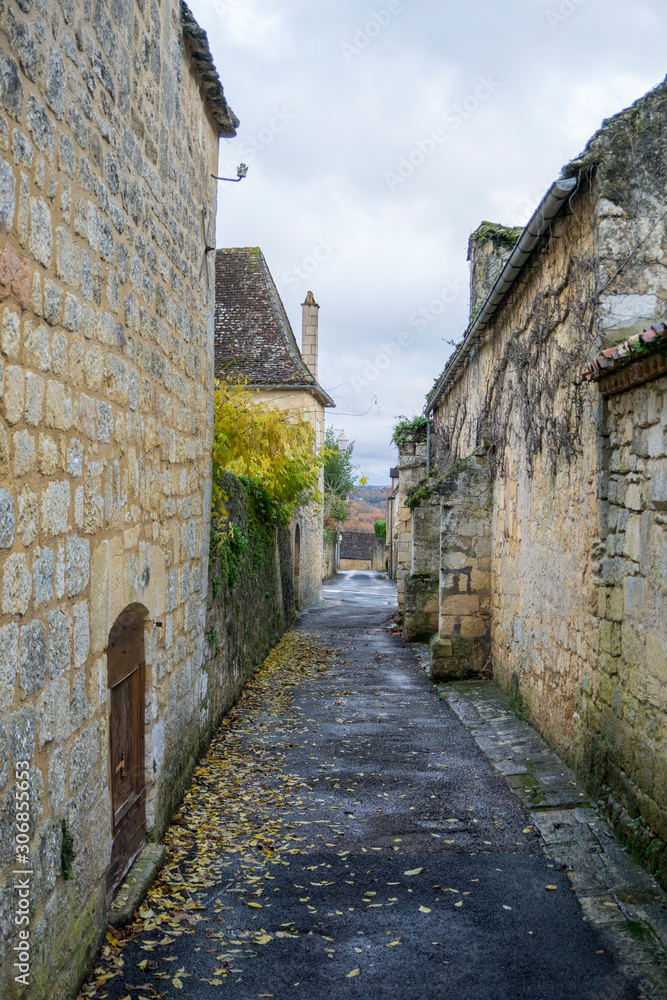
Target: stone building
x: 254, y: 341
x: 110, y: 116
x: 391, y: 549
x: 361, y: 550
x: 543, y: 517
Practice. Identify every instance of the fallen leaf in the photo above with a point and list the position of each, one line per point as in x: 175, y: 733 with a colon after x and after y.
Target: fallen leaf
x: 177, y: 983
x: 392, y: 944
x: 460, y: 903
x: 527, y: 830
x: 355, y: 972
x: 551, y: 887
x: 414, y: 871
x: 263, y: 939
x: 424, y: 909
x: 256, y: 906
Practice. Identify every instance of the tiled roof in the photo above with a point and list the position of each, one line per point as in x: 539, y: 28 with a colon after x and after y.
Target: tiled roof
x: 634, y: 349
x: 214, y: 95
x: 253, y: 336
x: 357, y: 545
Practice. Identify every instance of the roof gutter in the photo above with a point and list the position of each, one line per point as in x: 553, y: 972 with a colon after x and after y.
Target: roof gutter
x: 550, y: 206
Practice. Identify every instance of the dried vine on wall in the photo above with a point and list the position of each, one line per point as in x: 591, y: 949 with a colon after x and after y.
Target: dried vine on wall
x: 533, y: 390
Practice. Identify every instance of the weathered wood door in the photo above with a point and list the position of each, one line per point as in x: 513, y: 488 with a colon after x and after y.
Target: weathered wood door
x: 126, y: 671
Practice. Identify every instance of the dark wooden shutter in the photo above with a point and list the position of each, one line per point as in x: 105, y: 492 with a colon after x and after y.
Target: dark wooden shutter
x: 126, y: 671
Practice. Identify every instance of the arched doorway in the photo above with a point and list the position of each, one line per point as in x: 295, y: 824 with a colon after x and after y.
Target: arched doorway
x: 126, y: 664
x: 297, y: 562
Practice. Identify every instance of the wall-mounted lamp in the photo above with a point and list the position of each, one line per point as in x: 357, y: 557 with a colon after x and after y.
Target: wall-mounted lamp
x: 342, y: 442
x: 241, y: 172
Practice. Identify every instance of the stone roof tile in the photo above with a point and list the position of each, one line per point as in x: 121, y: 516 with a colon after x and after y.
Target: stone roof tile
x: 214, y: 95
x: 357, y: 544
x: 253, y: 335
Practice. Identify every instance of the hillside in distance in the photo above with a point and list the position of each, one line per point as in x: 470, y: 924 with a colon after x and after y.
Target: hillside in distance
x: 367, y: 504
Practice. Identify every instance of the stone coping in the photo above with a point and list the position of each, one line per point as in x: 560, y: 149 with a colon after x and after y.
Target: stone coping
x: 135, y: 885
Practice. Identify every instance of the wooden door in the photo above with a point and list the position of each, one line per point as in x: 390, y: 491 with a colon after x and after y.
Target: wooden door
x: 126, y: 671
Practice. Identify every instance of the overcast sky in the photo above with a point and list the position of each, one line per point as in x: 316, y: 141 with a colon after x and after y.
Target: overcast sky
x: 378, y: 136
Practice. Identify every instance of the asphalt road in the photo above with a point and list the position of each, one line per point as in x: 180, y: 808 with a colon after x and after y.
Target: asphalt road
x: 418, y: 874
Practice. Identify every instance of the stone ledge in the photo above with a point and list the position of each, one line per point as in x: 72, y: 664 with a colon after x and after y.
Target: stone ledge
x: 136, y: 884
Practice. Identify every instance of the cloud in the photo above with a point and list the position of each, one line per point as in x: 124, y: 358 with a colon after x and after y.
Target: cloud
x: 321, y: 178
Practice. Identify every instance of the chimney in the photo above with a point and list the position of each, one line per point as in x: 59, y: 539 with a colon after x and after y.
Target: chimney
x: 489, y: 248
x: 309, y: 333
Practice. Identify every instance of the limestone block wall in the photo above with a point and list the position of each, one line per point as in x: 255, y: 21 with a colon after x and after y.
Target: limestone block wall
x: 412, y: 467
x: 421, y: 583
x: 329, y: 554
x: 310, y: 519
x: 465, y: 565
x: 250, y: 603
x: 308, y: 584
x: 623, y: 737
x: 106, y: 348
x: 544, y: 518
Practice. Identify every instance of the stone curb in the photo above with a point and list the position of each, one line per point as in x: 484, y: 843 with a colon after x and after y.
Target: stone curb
x: 616, y: 894
x: 136, y: 884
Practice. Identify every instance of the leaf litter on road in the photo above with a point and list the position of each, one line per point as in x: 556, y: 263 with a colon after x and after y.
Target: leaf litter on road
x: 230, y: 817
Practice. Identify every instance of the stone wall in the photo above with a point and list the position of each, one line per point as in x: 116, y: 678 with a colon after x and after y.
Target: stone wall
x: 417, y: 531
x: 622, y: 732
x: 329, y: 554
x: 420, y: 619
x: 310, y: 519
x: 107, y: 147
x: 250, y: 602
x: 411, y: 469
x: 578, y: 588
x: 463, y: 646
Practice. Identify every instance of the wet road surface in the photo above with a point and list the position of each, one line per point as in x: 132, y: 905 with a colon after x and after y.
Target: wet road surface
x: 416, y: 872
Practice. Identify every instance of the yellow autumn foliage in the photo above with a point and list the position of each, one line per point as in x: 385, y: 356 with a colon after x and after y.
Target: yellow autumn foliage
x: 273, y: 449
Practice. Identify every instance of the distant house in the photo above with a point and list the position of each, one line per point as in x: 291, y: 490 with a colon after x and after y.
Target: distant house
x: 254, y: 339
x: 361, y: 550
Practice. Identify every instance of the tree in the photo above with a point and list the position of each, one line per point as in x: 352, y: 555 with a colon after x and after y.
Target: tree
x: 339, y: 477
x: 272, y: 449
x: 380, y: 528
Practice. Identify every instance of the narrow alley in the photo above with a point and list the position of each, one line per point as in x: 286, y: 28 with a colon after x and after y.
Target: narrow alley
x: 343, y: 795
